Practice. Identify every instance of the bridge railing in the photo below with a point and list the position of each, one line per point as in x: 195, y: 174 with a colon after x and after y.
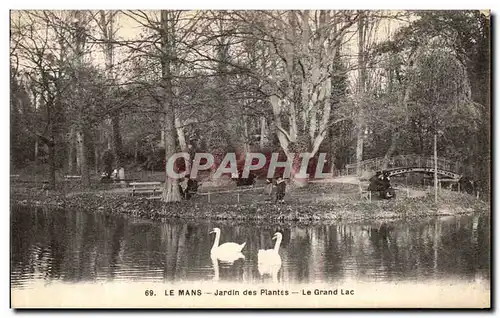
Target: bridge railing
x: 376, y: 164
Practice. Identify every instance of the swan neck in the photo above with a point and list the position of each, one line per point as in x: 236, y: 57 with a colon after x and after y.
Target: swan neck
x: 216, y: 241
x: 278, y: 243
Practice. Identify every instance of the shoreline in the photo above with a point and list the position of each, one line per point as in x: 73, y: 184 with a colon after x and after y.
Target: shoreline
x: 324, y: 211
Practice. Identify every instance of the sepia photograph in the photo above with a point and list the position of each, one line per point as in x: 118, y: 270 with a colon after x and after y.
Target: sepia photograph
x: 250, y: 159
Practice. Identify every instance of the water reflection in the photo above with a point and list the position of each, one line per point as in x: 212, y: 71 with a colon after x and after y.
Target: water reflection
x: 72, y: 246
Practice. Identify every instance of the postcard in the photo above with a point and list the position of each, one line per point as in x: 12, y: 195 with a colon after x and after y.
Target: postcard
x: 250, y: 159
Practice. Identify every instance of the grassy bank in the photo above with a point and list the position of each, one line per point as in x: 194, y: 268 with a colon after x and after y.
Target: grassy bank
x: 334, y: 202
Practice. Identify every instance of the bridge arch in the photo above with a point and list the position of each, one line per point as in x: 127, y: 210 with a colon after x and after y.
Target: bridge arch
x: 441, y: 172
x: 409, y: 163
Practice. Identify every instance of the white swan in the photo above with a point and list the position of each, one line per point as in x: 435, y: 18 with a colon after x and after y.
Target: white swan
x: 227, y: 252
x: 272, y: 252
x: 269, y: 261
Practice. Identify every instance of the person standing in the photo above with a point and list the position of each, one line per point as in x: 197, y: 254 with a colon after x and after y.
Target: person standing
x: 280, y: 190
x: 268, y: 189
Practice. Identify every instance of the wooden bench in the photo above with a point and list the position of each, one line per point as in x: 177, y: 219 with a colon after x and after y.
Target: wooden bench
x: 146, y: 187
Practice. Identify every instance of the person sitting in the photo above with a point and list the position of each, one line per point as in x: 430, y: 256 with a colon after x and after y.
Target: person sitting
x: 107, y: 159
x: 385, y: 181
x: 381, y: 183
x: 105, y: 177
x: 182, y: 184
x: 252, y: 178
x: 387, y: 191
x: 181, y: 190
x: 249, y: 181
x: 376, y: 183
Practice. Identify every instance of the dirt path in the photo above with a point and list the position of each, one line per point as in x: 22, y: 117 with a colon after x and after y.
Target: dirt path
x: 411, y: 193
x: 343, y: 179
x: 323, y: 195
x: 103, y: 191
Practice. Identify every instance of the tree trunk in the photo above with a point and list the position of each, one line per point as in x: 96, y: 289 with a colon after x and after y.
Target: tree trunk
x: 182, y: 141
x: 136, y: 152
x: 390, y: 151
x: 71, y: 152
x: 36, y: 150
x: 82, y: 150
x: 81, y: 127
x: 118, y: 148
x: 246, y: 146
x: 78, y: 154
x: 117, y: 141
x: 14, y: 125
x: 52, y: 164
x: 109, y: 139
x: 262, y: 141
x: 360, y: 127
x: 331, y: 159
x: 395, y: 136
x: 107, y: 27
x: 171, y: 190
x: 359, y: 149
x: 180, y: 134
x: 51, y: 144
x: 96, y: 158
x: 283, y: 137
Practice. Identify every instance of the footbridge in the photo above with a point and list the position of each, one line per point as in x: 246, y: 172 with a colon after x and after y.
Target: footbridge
x: 403, y: 164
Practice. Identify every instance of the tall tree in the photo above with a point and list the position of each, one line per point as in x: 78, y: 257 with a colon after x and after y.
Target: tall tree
x: 170, y: 37
x: 80, y: 20
x: 106, y: 24
x: 360, y: 89
x: 298, y: 79
x: 168, y: 23
x: 467, y: 33
x: 42, y: 52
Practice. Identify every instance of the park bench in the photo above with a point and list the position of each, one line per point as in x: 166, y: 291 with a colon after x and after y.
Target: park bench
x: 146, y: 187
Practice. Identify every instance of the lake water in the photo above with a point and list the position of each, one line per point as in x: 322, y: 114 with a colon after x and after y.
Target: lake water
x: 67, y: 246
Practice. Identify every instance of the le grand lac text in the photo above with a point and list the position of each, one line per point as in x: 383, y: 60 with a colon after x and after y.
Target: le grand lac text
x: 259, y: 292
